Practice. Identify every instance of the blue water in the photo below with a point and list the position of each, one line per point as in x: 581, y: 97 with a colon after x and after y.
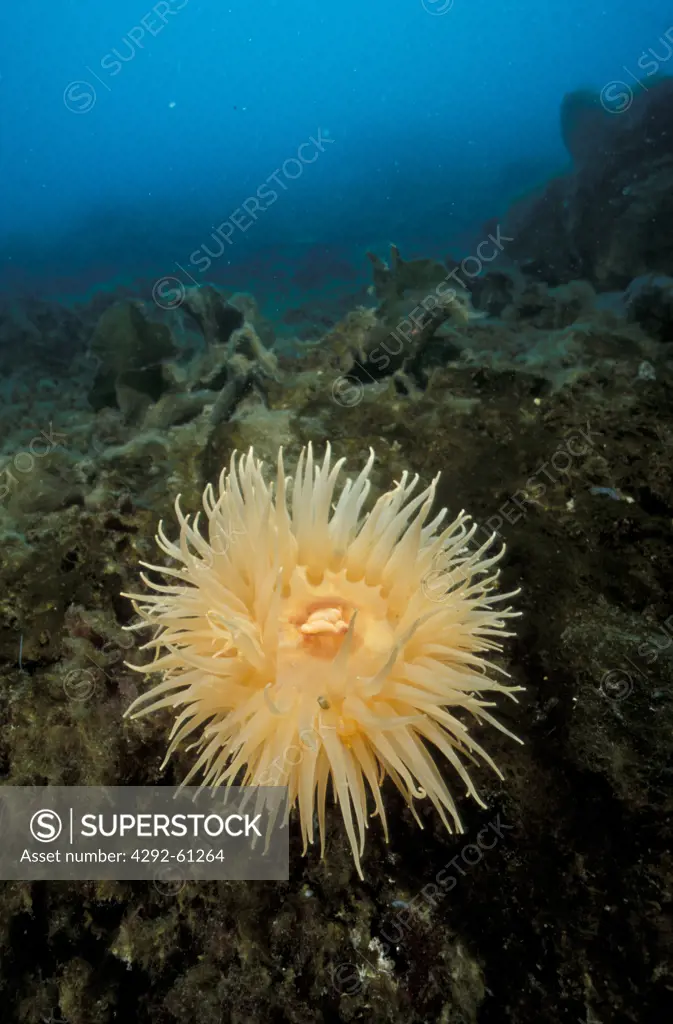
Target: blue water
x: 131, y: 131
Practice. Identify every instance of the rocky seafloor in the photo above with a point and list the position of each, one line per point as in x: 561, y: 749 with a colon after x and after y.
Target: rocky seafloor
x: 545, y: 401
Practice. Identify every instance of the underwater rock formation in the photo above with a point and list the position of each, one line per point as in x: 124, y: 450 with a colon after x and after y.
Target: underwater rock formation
x: 649, y: 302
x: 607, y: 220
x: 130, y: 351
x: 155, y: 380
x: 217, y: 318
x: 395, y: 280
x: 585, y: 124
x: 414, y: 301
x: 39, y: 332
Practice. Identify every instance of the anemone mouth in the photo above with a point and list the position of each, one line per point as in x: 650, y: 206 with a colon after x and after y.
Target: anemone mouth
x: 325, y: 615
x: 322, y: 628
x: 319, y: 619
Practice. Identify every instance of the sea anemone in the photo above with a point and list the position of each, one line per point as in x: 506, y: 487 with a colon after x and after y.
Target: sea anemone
x: 309, y: 641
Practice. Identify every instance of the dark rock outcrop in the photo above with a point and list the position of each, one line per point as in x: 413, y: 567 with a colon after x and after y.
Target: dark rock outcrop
x: 608, y: 219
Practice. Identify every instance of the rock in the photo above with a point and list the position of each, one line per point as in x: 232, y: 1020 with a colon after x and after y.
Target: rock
x: 397, y: 279
x: 130, y: 350
x: 216, y: 317
x: 649, y: 302
x: 583, y: 119
x: 608, y: 219
x: 247, y: 305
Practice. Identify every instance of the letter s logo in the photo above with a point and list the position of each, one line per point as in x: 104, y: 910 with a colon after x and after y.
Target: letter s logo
x: 45, y: 826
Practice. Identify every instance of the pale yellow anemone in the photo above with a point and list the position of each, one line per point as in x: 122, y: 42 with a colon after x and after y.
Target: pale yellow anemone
x: 307, y: 640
